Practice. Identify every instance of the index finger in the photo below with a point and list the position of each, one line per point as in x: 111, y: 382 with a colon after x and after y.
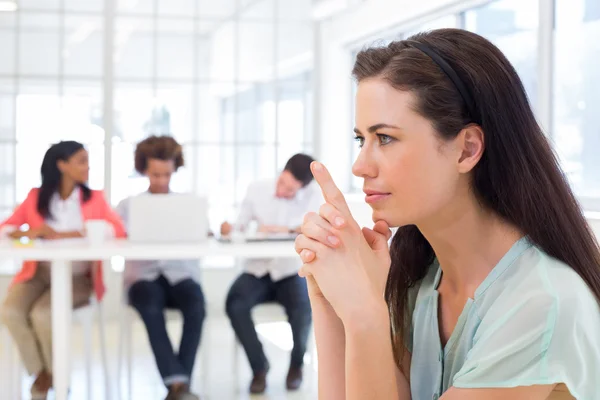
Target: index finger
x: 332, y: 194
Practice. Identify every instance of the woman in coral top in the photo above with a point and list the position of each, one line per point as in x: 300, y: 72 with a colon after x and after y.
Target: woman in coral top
x: 56, y: 210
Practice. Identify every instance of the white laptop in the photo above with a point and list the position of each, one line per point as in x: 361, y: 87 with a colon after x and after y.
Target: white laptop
x: 271, y: 237
x: 262, y: 237
x: 168, y: 218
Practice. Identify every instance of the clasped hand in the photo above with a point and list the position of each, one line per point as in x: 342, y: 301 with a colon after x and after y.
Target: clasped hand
x: 345, y: 266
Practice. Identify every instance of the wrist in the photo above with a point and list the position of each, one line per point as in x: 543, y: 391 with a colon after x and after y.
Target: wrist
x: 32, y: 233
x: 69, y: 235
x: 16, y: 234
x: 373, y: 314
x: 320, y: 305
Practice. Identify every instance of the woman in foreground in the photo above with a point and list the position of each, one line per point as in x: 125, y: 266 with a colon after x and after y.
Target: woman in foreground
x: 492, y: 280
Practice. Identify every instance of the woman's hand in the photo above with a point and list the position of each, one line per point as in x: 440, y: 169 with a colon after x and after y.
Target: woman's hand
x: 43, y: 231
x: 349, y: 265
x: 16, y: 234
x: 226, y: 228
x: 68, y: 235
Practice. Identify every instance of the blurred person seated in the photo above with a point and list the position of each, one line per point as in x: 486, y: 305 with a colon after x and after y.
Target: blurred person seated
x: 278, y: 206
x: 56, y: 210
x: 156, y: 285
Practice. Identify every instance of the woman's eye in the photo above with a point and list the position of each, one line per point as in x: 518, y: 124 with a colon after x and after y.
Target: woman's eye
x: 360, y: 140
x: 384, y: 139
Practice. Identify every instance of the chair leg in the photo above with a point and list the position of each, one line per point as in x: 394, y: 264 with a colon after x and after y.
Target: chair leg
x: 16, y: 376
x: 120, y: 356
x: 129, y: 357
x: 87, y: 345
x: 124, y: 354
x: 13, y: 367
x: 312, y: 352
x: 236, y: 366
x: 108, y: 395
x: 7, y: 365
x: 205, y: 352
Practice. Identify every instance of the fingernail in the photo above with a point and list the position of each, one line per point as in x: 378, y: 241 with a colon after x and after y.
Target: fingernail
x: 318, y: 166
x: 333, y: 240
x: 339, y: 221
x: 303, y: 253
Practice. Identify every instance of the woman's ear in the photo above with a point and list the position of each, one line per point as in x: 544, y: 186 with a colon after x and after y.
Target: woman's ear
x: 61, y: 165
x: 471, y: 142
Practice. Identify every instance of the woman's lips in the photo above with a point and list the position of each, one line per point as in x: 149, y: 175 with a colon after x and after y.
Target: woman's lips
x: 373, y: 196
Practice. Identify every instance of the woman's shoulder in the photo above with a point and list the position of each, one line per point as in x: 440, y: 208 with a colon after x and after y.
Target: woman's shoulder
x: 97, y: 194
x: 32, y: 196
x: 543, y: 276
x: 538, y: 322
x: 544, y: 289
x: 33, y: 192
x: 577, y: 304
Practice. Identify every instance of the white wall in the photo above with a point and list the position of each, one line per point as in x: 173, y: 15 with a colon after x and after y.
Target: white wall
x: 594, y: 222
x: 259, y: 40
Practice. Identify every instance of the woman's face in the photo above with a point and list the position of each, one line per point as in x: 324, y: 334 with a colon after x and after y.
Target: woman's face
x: 409, y: 173
x: 159, y: 172
x: 76, y: 167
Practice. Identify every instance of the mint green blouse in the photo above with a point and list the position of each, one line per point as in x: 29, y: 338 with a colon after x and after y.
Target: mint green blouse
x: 532, y: 321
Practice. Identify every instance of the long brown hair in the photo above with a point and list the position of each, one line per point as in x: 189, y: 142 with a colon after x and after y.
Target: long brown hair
x: 518, y: 176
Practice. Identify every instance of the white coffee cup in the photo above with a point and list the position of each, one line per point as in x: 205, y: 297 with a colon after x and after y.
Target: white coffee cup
x: 96, y: 231
x: 237, y: 235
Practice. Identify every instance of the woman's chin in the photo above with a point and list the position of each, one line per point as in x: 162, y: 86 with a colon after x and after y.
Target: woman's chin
x: 393, y: 221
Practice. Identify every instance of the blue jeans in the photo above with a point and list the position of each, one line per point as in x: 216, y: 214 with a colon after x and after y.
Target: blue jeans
x: 150, y: 299
x: 248, y: 291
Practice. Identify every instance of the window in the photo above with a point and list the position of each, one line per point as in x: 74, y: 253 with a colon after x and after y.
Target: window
x: 512, y: 25
x: 230, y: 80
x: 272, y: 123
x: 356, y: 183
x: 447, y: 21
x: 45, y: 119
x: 236, y: 97
x: 576, y: 124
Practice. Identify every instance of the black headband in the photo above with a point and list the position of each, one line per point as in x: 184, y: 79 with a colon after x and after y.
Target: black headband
x: 451, y: 73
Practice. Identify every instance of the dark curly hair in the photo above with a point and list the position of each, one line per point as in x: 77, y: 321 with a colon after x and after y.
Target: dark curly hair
x: 158, y: 147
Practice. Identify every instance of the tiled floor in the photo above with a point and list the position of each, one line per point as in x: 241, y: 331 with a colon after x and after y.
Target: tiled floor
x: 215, y: 368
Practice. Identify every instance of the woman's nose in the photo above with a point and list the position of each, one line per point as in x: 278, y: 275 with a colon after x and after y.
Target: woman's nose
x: 364, y: 166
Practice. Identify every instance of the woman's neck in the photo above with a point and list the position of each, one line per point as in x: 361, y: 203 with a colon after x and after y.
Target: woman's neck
x: 469, y: 244
x: 152, y: 190
x: 66, y: 188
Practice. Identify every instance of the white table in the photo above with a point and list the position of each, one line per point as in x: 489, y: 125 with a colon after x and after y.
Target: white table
x: 62, y: 252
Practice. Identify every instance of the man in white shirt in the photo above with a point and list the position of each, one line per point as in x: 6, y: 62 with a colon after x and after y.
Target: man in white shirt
x: 278, y: 206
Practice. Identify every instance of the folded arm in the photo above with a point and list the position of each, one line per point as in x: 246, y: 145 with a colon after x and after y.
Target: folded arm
x: 371, y: 372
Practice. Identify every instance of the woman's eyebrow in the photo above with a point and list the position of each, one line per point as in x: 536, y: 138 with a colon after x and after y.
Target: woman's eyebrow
x: 376, y: 127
